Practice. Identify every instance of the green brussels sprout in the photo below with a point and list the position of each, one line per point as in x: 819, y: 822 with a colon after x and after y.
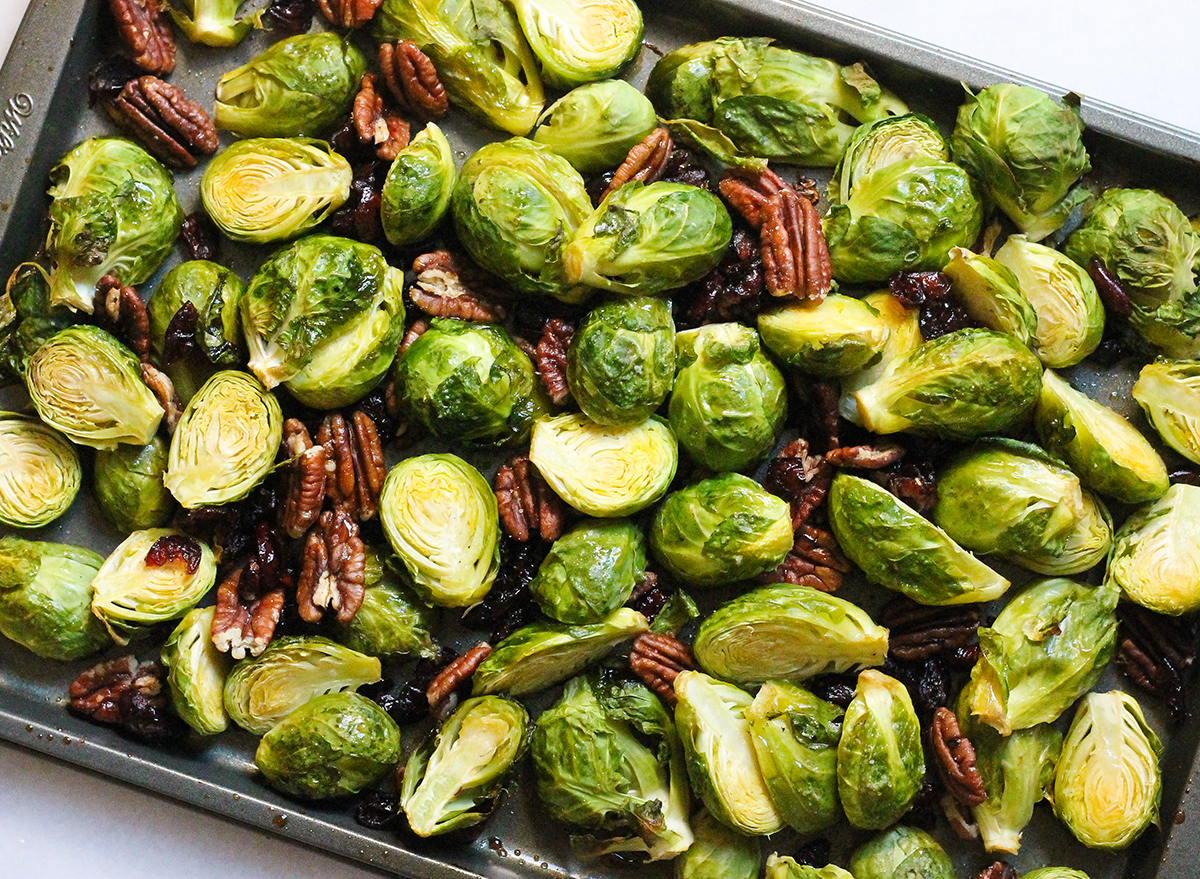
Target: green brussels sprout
x: 621, y: 360
x: 196, y: 672
x: 729, y: 401
x: 678, y: 610
x: 324, y: 317
x: 795, y: 737
x: 26, y: 320
x: 260, y: 691
x: 907, y: 139
x: 595, y: 125
x: 225, y: 442
x: 590, y: 571
x: 454, y: 779
x: 1045, y: 649
x: 899, y: 548
x: 604, y: 471
x: 644, y: 239
x: 515, y: 206
x: 480, y: 54
x: 1070, y: 314
x: 1056, y: 873
x: 128, y: 485
x: 1156, y: 555
x: 113, y: 212
x: 211, y: 22
x: 154, y: 575
x: 441, y: 519
x: 89, y: 386
x: 273, y: 188
x: 390, y: 621
x: 541, y: 655
x: 721, y: 530
x: 992, y: 295
x: 1025, y: 151
x: 39, y: 472
x: 294, y: 88
x: 962, y: 385
x: 1147, y: 242
x: 331, y: 746
x: 834, y: 337
x: 787, y: 632
x: 788, y: 868
x: 904, y: 337
x: 416, y: 192
x: 46, y: 598
x: 901, y: 853
x: 1109, y: 454
x: 1108, y: 783
x: 469, y: 382
x: 718, y: 852
x: 577, y: 43
x: 1169, y: 393
x: 608, y: 761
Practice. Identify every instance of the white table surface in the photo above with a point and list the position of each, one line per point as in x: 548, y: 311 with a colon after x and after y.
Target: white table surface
x: 57, y: 821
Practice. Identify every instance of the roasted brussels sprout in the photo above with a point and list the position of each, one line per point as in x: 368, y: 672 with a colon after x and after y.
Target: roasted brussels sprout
x: 416, y: 192
x: 595, y: 126
x: 1169, y: 393
x: 39, y: 472
x: 454, y: 779
x: 211, y: 22
x: 128, y: 485
x: 901, y: 853
x: 390, y: 620
x: 441, y: 519
x: 904, y: 337
x: 579, y: 42
x: 1156, y: 555
x: 27, y: 320
x: 590, y: 571
x: 718, y: 852
x: 1107, y: 783
x: 331, y: 746
x: 895, y: 140
x: 260, y: 691
x: 1056, y: 873
x: 294, y: 88
x: 46, y: 598
x: 789, y: 868
x: 992, y: 295
x: 196, y: 672
x: 835, y: 337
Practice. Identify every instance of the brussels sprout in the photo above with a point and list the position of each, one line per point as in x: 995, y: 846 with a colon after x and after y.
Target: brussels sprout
x: 211, y: 22
x: 1109, y: 454
x: 390, y: 620
x: 1107, y: 783
x: 416, y: 192
x: 225, y: 442
x: 899, y: 548
x: 607, y: 760
x: 39, y: 472
x: 196, y: 673
x: 260, y: 691
x: 480, y: 54
x: 1169, y: 393
x: 516, y: 205
x: 962, y: 385
x: 1147, y: 242
x: 331, y: 746
x: 89, y: 386
x: 1026, y: 153
x: 721, y: 530
x: 294, y: 88
x: 911, y: 138
x: 1056, y: 873
x: 577, y: 43
x: 835, y: 337
x: 677, y: 611
x: 323, y: 317
x: 621, y: 361
x: 795, y: 737
x: 590, y: 571
x: 469, y: 382
x: 46, y: 598
x: 718, y: 852
x: 595, y: 126
x: 26, y: 320
x: 901, y: 853
x: 1045, y: 649
x: 646, y: 239
x: 992, y: 295
x: 604, y: 471
x: 729, y: 401
x: 788, y: 868
x: 1156, y: 555
x: 904, y: 337
x: 541, y: 655
x: 153, y: 576
x: 454, y: 779
x: 114, y: 212
x: 128, y: 485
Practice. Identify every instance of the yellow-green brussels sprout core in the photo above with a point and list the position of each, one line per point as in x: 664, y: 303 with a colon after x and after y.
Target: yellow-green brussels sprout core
x: 1056, y: 873
x: 196, y: 673
x: 718, y: 852
x: 39, y: 472
x: 604, y: 471
x: 992, y: 295
x: 441, y: 519
x: 901, y: 852
x: 595, y: 126
x: 1107, y: 784
x: 837, y: 336
x: 580, y: 41
x: 273, y: 188
x: 128, y: 485
x: 212, y: 22
x: 1169, y: 393
x: 1156, y: 555
x: 904, y: 337
x: 590, y: 571
x: 225, y: 442
x: 416, y: 192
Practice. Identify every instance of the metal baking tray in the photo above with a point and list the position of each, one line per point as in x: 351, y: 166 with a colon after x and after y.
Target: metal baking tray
x: 43, y: 112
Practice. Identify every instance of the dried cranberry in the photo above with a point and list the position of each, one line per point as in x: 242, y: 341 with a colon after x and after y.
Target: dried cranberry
x: 838, y: 689
x: 943, y: 316
x: 108, y: 79
x: 200, y: 236
x: 682, y: 167
x: 378, y: 810
x: 814, y: 853
x: 926, y: 680
x: 358, y: 218
x: 289, y: 17
x: 1108, y: 285
x: 174, y: 548
x: 917, y: 288
x: 730, y: 292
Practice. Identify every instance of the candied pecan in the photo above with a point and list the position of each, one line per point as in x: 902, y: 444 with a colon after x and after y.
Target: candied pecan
x: 119, y: 310
x: 733, y: 290
x: 199, y: 234
x: 413, y: 80
x: 304, y: 479
x: 872, y: 457
x: 955, y: 759
x: 748, y: 193
x: 164, y: 391
x: 658, y: 659
x: 919, y: 632
x: 358, y: 217
x: 375, y: 123
x: 414, y: 332
x: 1108, y: 285
x: 998, y: 870
x: 349, y: 13
x: 161, y: 118
x: 450, y: 285
x: 645, y: 162
x: 454, y: 674
x: 288, y: 17
x: 552, y: 359
x: 355, y: 463
x: 334, y: 572
x: 959, y: 817
x: 144, y: 30
x: 250, y: 598
x: 528, y: 507
x: 815, y: 560
x: 800, y: 478
x: 174, y: 548
x: 509, y: 603
x: 1157, y: 652
x: 244, y: 624
x: 127, y: 694
x: 795, y: 255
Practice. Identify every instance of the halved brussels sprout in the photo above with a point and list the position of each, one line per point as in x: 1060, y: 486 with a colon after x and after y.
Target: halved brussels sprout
x: 1056, y: 873
x: 580, y: 41
x: 196, y: 672
x: 27, y: 320
x: 590, y: 571
x: 1156, y: 555
x: 294, y: 88
x: 895, y: 140
x: 273, y: 188
x: 789, y: 868
x: 211, y: 22
x: 454, y: 779
x: 331, y: 746
x: 262, y: 690
x: 128, y: 486
x: 899, y: 548
x: 390, y: 621
x: 904, y: 337
x: 834, y: 337
x: 721, y: 530
x: 46, y: 598
x: 1108, y: 784
x: 900, y: 853
x: 718, y: 852
x: 595, y: 126
x: 992, y: 295
x: 89, y: 386
x: 604, y: 471
x: 1169, y: 393
x: 416, y: 192
x: 153, y: 576
x: 39, y: 472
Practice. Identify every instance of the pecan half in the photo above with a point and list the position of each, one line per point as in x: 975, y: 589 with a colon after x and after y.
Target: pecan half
x: 919, y: 632
x: 304, y: 480
x: 528, y: 507
x: 355, y: 463
x: 749, y: 193
x: 162, y: 119
x: 244, y: 624
x: 867, y: 457
x: 955, y: 759
x: 453, y: 675
x: 998, y: 870
x: 375, y: 123
x: 799, y: 477
x: 453, y: 286
x: 349, y: 13
x: 1157, y: 653
x: 414, y: 332
x: 143, y: 27
x: 334, y: 573
x: 117, y: 309
x: 658, y: 659
x: 815, y: 560
x: 164, y: 391
x: 645, y: 162
x: 552, y: 359
x: 127, y: 694
x: 413, y: 80
x: 250, y: 599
